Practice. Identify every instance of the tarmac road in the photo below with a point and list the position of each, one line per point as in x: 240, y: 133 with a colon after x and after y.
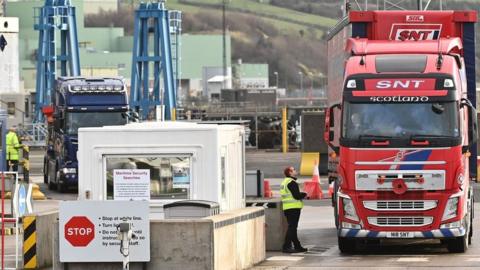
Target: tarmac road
x: 316, y: 231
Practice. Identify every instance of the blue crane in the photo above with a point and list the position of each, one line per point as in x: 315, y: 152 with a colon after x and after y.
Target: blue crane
x: 57, y: 47
x: 152, y: 19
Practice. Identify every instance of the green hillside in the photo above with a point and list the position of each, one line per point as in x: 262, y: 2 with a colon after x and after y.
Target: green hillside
x: 283, y: 19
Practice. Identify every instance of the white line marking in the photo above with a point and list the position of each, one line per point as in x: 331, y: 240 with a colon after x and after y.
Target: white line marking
x: 333, y: 251
x: 473, y: 260
x: 285, y: 258
x: 416, y: 259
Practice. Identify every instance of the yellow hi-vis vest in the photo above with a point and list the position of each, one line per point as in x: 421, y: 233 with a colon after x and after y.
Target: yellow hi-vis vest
x: 12, y: 146
x: 288, y: 201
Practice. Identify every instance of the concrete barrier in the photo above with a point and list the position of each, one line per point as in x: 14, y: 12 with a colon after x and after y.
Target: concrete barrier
x: 231, y: 240
x: 38, y: 244
x: 275, y: 222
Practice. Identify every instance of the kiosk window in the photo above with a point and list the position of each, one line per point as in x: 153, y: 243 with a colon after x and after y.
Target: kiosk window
x: 169, y: 177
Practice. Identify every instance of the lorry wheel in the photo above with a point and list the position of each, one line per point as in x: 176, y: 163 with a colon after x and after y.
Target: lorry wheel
x: 45, y: 171
x: 61, y: 187
x: 50, y: 181
x: 347, y: 245
x: 51, y: 184
x: 335, y: 204
x: 470, y: 233
x: 459, y: 244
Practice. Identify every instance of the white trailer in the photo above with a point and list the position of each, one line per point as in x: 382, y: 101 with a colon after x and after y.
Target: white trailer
x: 170, y: 161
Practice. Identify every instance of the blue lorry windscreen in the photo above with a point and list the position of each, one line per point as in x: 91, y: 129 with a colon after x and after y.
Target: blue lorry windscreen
x: 76, y: 120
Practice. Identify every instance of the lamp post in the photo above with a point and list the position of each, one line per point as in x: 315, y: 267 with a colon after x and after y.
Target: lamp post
x: 301, y: 80
x: 276, y: 79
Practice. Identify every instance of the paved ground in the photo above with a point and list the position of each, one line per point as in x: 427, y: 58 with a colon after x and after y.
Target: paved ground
x: 316, y: 232
x: 272, y: 163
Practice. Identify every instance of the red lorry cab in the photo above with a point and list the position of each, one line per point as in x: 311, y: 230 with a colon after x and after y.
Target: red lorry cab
x: 401, y: 126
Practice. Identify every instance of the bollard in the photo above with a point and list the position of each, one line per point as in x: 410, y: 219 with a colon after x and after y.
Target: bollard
x: 29, y: 242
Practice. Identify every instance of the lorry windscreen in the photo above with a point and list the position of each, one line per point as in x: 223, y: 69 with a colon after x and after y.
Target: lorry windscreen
x: 76, y: 120
x: 400, y: 120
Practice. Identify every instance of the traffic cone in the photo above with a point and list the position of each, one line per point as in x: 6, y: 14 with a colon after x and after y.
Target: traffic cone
x: 315, y: 174
x: 312, y: 187
x: 267, y: 191
x: 330, y: 190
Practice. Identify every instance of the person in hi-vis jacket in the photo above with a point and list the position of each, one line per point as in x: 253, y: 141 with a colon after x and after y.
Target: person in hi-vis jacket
x: 292, y: 205
x: 13, y: 146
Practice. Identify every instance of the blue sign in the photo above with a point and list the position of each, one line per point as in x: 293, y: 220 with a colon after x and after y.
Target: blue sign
x: 22, y: 201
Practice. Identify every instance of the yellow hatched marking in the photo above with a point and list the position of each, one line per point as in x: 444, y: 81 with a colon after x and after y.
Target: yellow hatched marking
x: 27, y: 221
x: 27, y: 244
x: 32, y: 264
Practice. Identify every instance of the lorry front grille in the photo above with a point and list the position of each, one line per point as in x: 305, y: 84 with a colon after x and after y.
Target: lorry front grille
x: 400, y: 205
x: 382, y: 180
x: 416, y: 221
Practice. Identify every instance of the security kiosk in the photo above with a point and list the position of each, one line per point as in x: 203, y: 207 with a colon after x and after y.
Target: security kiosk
x: 163, y: 162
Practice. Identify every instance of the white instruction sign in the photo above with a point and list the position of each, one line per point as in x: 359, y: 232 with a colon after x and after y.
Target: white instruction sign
x: 88, y: 230
x: 131, y: 185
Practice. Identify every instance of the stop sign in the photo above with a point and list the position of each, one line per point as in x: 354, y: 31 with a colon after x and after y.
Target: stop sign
x: 79, y: 231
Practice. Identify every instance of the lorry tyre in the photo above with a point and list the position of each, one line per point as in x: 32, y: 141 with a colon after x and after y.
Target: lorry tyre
x: 45, y: 171
x: 347, y: 245
x: 61, y: 186
x: 459, y: 244
x: 470, y: 231
x: 335, y: 204
x: 51, y: 183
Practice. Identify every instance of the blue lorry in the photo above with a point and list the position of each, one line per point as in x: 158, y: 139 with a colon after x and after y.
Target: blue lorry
x: 79, y: 102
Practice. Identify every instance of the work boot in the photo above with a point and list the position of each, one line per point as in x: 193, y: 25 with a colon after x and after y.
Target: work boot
x: 301, y: 249
x: 288, y: 250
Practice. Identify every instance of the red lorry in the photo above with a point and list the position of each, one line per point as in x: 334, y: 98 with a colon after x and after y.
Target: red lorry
x: 401, y: 126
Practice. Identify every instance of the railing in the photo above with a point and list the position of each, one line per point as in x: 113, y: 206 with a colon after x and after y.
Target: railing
x: 34, y: 134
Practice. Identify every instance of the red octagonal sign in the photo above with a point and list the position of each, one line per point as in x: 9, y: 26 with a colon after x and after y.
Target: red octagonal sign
x: 79, y: 231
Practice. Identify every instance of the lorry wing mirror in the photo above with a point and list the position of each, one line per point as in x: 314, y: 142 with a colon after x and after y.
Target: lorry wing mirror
x: 472, y: 122
x: 58, y: 115
x: 329, y: 134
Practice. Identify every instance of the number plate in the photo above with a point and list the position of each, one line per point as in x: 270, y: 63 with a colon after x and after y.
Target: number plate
x: 400, y: 234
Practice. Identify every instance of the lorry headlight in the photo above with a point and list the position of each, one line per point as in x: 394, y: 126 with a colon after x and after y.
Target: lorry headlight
x: 349, y: 209
x: 460, y: 179
x: 450, y: 209
x: 352, y: 84
x: 456, y: 224
x: 69, y: 170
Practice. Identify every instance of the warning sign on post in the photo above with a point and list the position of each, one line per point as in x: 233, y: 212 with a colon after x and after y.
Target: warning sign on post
x: 88, y: 230
x: 131, y: 185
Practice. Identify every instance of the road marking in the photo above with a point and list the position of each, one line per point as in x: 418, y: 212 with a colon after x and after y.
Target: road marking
x: 473, y: 260
x: 333, y: 251
x: 285, y: 258
x: 413, y: 259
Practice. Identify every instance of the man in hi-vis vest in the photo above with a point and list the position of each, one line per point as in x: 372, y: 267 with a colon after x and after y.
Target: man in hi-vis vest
x: 292, y: 206
x: 13, y: 146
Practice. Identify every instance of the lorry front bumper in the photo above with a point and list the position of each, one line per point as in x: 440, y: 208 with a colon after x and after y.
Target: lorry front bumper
x: 440, y: 233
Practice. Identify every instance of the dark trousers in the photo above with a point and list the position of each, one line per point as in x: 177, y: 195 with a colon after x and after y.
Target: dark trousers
x: 12, y: 165
x: 293, y: 216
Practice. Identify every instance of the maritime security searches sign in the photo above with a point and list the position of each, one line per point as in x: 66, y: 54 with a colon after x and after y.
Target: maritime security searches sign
x: 88, y: 230
x: 131, y: 184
